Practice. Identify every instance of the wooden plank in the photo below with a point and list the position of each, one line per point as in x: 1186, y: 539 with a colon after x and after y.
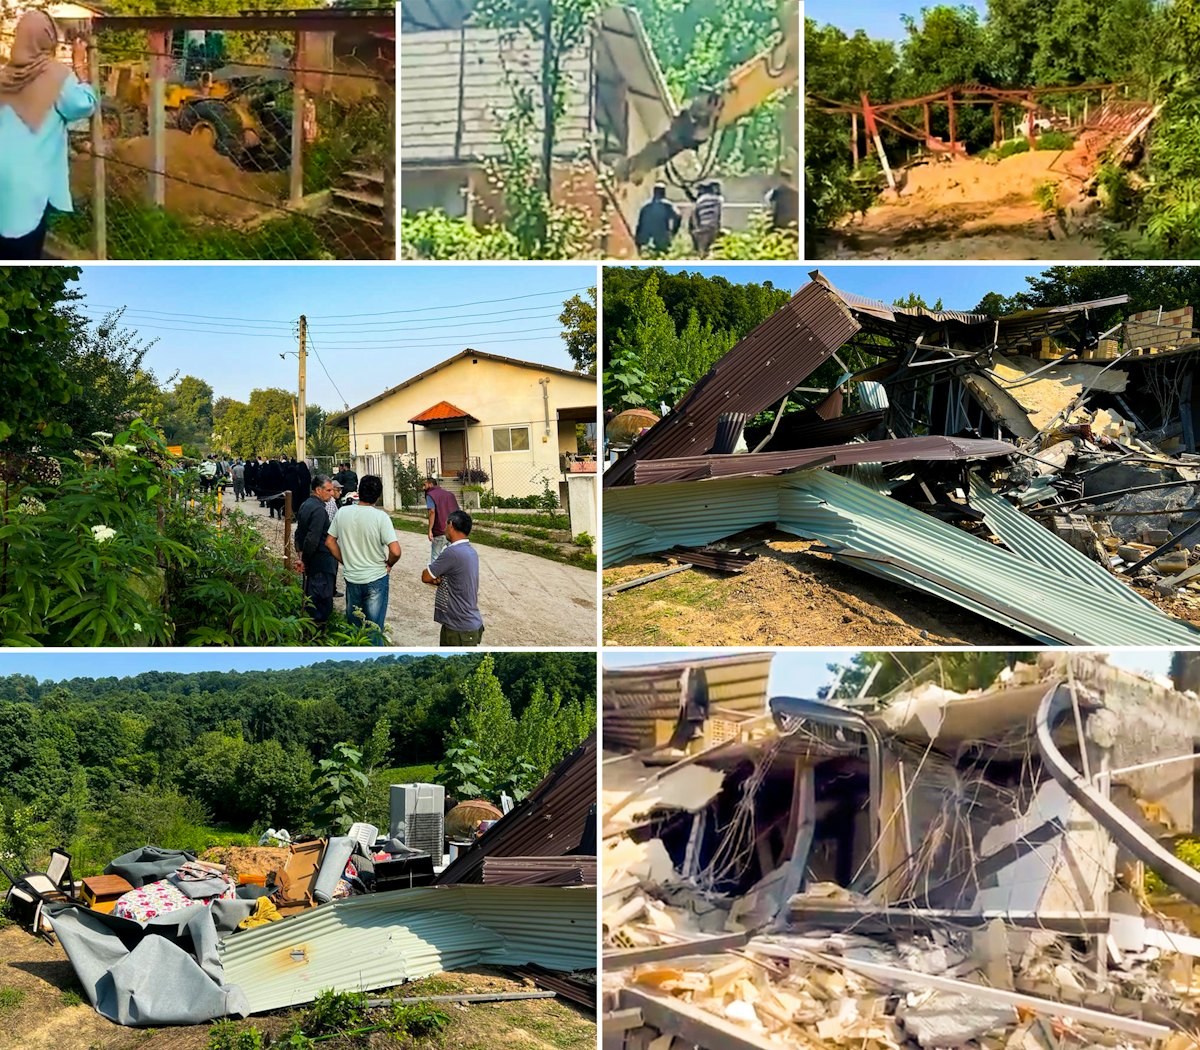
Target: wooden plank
x: 623, y: 958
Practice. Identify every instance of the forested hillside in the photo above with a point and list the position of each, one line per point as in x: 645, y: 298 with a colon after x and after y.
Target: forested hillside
x: 105, y: 764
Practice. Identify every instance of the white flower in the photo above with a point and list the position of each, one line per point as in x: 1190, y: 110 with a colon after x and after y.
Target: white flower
x: 129, y: 448
x: 101, y: 434
x: 102, y: 533
x: 137, y: 626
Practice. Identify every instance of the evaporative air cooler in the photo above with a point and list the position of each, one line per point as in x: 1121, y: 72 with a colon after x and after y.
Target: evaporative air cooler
x: 418, y: 817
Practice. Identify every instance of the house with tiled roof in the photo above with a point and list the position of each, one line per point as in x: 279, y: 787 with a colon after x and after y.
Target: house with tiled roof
x: 479, y: 422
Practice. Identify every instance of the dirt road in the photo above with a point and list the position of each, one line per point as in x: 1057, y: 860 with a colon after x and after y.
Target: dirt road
x: 969, y: 208
x: 525, y: 600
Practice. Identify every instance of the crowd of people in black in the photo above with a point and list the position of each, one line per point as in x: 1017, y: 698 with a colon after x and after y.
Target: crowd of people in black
x: 263, y: 479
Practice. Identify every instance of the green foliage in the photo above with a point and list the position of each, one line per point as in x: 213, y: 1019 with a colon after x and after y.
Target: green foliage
x: 651, y: 357
x: 137, y: 232
x: 230, y: 1035
x: 584, y: 539
x: 338, y: 786
x: 417, y: 1020
x: 578, y: 319
x: 70, y: 998
x: 10, y: 999
x: 335, y: 1012
x: 36, y: 330
x: 432, y: 234
x: 758, y: 241
x: 408, y: 479
x: 489, y: 750
x: 353, y: 132
x: 1055, y: 141
x: 1045, y: 195
x: 1186, y: 850
x: 699, y: 43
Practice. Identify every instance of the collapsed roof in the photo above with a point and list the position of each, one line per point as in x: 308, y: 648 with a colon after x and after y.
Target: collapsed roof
x: 913, y: 467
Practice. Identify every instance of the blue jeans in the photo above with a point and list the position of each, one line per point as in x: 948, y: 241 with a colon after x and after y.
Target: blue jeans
x: 372, y: 599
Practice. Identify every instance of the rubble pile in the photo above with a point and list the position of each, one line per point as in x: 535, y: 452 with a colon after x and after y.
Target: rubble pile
x: 928, y: 869
x: 1087, y: 436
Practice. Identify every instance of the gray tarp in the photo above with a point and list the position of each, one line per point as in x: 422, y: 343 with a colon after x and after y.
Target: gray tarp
x: 147, y: 864
x: 166, y: 972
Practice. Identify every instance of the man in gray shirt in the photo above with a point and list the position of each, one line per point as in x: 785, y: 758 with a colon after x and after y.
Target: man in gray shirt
x: 455, y: 574
x: 238, y: 473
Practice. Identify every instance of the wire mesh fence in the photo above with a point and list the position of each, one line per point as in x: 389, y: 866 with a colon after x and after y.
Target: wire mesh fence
x: 257, y: 136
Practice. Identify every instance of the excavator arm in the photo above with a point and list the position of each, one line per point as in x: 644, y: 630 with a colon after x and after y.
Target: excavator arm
x: 772, y: 70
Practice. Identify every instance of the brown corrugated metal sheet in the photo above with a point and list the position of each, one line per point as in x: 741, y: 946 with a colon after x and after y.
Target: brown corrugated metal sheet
x: 700, y: 468
x: 770, y: 362
x: 550, y: 822
x: 578, y: 987
x: 706, y: 558
x: 539, y: 871
x: 807, y: 429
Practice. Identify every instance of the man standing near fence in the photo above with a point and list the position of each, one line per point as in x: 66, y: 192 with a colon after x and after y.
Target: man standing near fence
x: 316, y: 561
x: 363, y: 538
x: 348, y: 479
x: 441, y: 504
x: 455, y: 574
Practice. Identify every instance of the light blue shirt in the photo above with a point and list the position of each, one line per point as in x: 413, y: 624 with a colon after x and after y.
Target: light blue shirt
x: 33, y: 164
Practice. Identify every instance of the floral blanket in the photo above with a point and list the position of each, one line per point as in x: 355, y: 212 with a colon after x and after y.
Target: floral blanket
x: 161, y: 898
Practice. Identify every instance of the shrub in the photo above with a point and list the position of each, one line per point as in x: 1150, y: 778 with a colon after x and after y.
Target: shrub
x: 1046, y: 195
x: 333, y: 1012
x: 227, y: 1035
x: 418, y: 1020
x: 473, y: 475
x: 1055, y: 141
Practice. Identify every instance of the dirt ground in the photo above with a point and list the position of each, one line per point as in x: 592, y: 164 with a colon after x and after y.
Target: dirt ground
x: 43, y: 1006
x: 969, y: 208
x: 789, y: 596
x: 525, y: 600
x: 191, y: 159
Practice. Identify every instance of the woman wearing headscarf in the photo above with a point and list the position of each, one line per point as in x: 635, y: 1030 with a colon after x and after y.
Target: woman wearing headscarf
x: 39, y: 97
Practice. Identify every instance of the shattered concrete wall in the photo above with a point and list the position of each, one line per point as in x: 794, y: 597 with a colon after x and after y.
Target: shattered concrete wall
x: 1153, y: 722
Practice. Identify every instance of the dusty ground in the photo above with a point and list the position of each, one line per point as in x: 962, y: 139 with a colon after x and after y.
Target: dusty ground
x: 525, y: 600
x: 231, y: 194
x: 46, y: 1009
x: 968, y: 208
x: 789, y: 596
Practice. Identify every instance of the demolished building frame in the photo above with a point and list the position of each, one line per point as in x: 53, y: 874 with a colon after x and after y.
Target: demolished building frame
x: 957, y: 463
x: 941, y: 868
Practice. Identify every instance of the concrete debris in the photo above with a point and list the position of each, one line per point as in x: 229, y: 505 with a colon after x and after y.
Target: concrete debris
x: 1091, y: 438
x: 1020, y: 896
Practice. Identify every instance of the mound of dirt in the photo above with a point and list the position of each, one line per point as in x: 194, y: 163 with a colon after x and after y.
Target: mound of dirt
x: 968, y: 207
x: 237, y: 859
x: 200, y: 181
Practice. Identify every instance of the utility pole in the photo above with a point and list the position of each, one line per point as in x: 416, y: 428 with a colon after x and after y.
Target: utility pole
x: 301, y: 427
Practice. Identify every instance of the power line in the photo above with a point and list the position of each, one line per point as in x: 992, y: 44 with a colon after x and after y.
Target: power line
x: 418, y: 343
x: 527, y: 313
x: 317, y: 355
x: 329, y: 317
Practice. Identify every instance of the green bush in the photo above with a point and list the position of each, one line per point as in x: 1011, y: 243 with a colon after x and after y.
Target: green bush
x: 417, y: 1020
x: 432, y: 234
x: 1056, y: 141
x: 333, y: 1012
x: 228, y: 1035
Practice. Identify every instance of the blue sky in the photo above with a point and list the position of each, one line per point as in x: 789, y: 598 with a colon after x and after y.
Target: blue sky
x: 373, y: 327
x: 109, y: 663
x: 960, y: 287
x: 799, y: 672
x: 880, y: 18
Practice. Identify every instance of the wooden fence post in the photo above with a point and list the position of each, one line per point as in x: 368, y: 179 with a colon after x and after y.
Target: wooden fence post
x: 160, y: 58
x: 99, y: 174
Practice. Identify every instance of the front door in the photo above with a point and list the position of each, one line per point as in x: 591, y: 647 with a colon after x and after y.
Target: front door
x: 454, y: 452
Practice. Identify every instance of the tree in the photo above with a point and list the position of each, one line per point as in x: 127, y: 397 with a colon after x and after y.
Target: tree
x: 36, y: 330
x: 558, y: 27
x: 578, y: 319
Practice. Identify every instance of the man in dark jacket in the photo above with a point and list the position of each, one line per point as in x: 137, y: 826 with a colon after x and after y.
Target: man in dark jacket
x: 657, y: 224
x: 348, y: 479
x: 315, y: 560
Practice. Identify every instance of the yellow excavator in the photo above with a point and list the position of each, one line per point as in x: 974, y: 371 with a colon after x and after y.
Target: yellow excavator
x: 775, y: 69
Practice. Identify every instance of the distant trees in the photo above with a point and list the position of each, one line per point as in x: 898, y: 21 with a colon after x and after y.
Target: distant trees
x: 242, y: 749
x: 663, y: 331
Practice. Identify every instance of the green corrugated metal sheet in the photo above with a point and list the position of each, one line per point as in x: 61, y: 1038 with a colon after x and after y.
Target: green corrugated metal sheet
x: 1044, y: 595
x: 1009, y: 589
x: 382, y: 939
x: 1024, y: 536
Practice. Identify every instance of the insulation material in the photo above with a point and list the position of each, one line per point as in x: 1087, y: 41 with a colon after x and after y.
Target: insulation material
x: 1047, y: 395
x: 631, y: 792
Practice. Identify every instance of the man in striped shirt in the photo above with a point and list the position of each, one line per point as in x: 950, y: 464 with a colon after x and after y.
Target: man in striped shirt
x: 704, y: 224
